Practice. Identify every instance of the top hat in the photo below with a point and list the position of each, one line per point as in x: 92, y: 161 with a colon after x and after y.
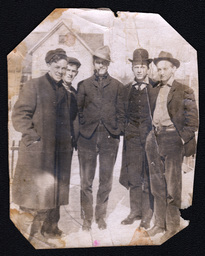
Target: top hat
x: 103, y: 53
x: 141, y: 56
x: 75, y: 61
x: 52, y: 53
x: 166, y: 56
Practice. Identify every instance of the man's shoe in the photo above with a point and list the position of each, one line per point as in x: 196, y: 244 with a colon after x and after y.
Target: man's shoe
x: 52, y: 234
x: 57, y: 231
x: 86, y: 225
x: 167, y: 235
x: 130, y: 220
x: 145, y: 224
x: 101, y: 224
x: 155, y: 230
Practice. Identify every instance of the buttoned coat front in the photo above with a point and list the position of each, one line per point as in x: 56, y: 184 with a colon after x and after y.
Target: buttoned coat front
x: 100, y: 104
x: 144, y: 129
x: 42, y: 175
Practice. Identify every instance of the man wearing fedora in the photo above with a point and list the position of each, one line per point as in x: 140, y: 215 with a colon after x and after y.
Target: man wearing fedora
x: 101, y: 118
x: 175, y: 120
x: 134, y: 172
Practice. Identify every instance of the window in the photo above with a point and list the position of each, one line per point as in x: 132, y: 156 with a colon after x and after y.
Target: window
x: 62, y: 39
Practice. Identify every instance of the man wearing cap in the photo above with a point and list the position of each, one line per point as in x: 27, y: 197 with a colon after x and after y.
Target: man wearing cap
x: 101, y: 117
x: 175, y: 120
x: 134, y: 172
x: 70, y: 74
x: 41, y: 114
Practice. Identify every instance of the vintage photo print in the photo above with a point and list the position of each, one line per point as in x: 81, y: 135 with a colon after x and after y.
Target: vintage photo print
x: 103, y: 126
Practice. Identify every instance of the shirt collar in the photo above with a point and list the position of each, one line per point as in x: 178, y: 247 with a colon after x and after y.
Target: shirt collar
x: 169, y: 82
x: 145, y: 81
x: 67, y: 86
x: 97, y: 76
x: 53, y: 82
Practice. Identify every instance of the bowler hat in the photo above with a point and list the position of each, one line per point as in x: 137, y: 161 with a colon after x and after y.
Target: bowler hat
x: 52, y: 53
x: 103, y: 53
x: 141, y: 56
x: 75, y: 61
x: 167, y: 56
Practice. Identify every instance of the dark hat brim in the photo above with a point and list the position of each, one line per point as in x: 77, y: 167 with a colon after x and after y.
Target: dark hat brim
x: 102, y: 57
x: 50, y: 54
x: 141, y: 61
x: 175, y: 62
x: 75, y: 61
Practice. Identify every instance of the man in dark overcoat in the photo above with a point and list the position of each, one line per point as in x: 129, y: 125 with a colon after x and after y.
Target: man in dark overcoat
x: 42, y: 115
x: 175, y: 120
x: 101, y: 118
x: 134, y: 172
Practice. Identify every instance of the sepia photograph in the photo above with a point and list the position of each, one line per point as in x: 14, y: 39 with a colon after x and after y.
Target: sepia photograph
x: 103, y: 119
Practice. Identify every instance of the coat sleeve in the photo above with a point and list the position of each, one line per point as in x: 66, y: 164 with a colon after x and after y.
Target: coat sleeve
x: 73, y: 120
x: 73, y: 105
x: 121, y: 108
x: 23, y: 112
x: 80, y: 101
x: 190, y: 114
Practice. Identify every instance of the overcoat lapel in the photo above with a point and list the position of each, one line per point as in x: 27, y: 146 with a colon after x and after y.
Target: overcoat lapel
x: 48, y: 85
x: 62, y: 94
x: 105, y: 81
x: 153, y: 97
x: 171, y: 92
x: 127, y: 93
x: 94, y: 81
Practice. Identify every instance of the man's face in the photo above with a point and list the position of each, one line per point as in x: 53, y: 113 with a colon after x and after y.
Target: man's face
x: 71, y: 73
x: 140, y: 71
x: 165, y: 70
x: 57, y: 69
x: 101, y: 66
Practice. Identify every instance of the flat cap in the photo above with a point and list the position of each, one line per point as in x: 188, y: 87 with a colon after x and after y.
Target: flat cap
x: 75, y: 61
x: 52, y: 53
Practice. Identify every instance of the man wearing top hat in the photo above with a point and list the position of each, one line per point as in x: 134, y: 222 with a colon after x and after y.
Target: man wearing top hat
x: 101, y: 118
x: 175, y: 120
x: 42, y: 176
x: 134, y: 172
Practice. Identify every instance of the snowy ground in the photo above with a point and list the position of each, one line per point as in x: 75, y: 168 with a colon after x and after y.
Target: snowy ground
x: 118, y: 208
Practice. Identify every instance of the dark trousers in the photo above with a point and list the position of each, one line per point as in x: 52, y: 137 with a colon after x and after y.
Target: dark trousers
x: 49, y: 217
x: 52, y: 216
x: 105, y: 145
x: 164, y: 153
x: 138, y: 176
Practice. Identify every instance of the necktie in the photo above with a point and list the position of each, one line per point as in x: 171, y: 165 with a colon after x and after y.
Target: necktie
x: 139, y: 86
